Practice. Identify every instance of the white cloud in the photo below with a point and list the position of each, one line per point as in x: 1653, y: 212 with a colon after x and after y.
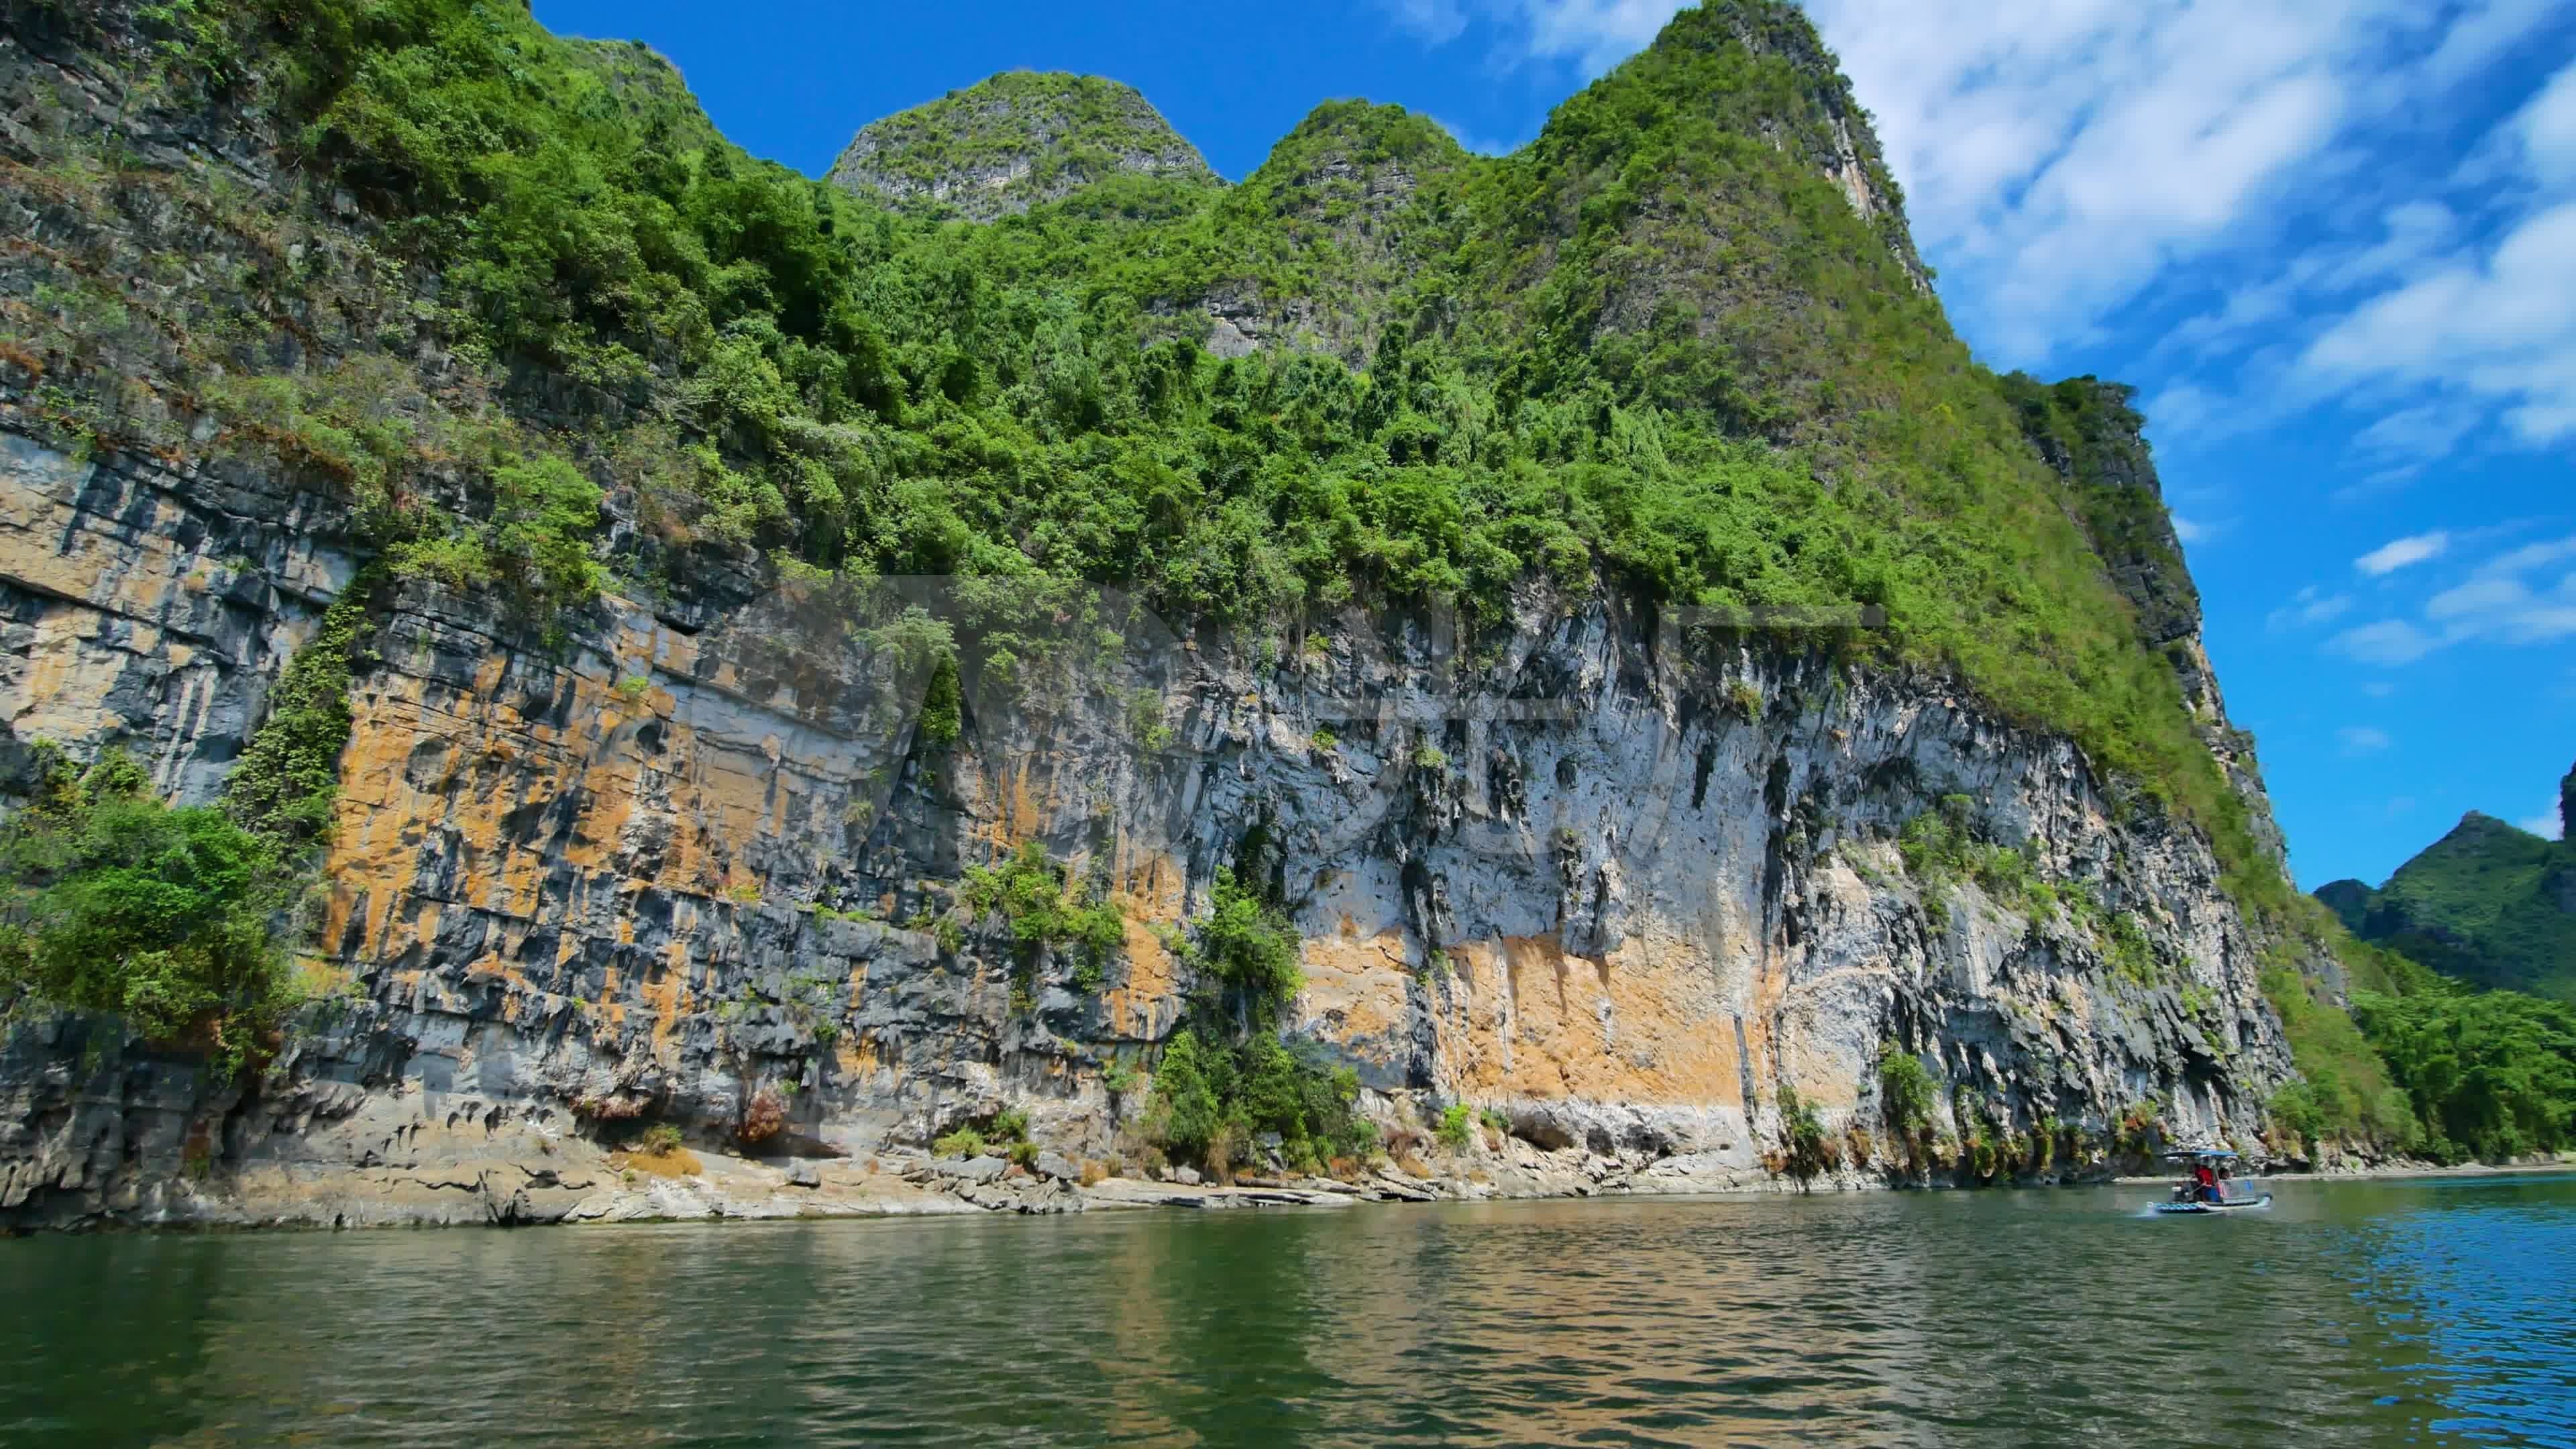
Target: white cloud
x: 2379, y: 484
x: 2546, y: 824
x: 2484, y: 331
x: 2418, y: 432
x: 2522, y: 596
x: 1594, y: 34
x: 2482, y: 34
x: 2389, y: 642
x: 2311, y: 606
x: 2363, y: 740
x: 2062, y: 157
x: 1481, y: 145
x: 2530, y: 556
x: 2192, y: 532
x: 2413, y: 230
x: 2546, y: 129
x: 2388, y: 558
x: 1437, y: 22
x: 2503, y: 600
x: 2188, y: 410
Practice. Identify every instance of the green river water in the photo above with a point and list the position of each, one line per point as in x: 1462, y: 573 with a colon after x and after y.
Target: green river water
x: 2397, y: 1312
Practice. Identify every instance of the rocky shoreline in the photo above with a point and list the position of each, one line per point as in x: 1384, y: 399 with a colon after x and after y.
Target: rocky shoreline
x: 578, y: 1182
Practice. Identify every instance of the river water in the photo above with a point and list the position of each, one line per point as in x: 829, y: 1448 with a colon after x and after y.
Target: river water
x: 2372, y: 1312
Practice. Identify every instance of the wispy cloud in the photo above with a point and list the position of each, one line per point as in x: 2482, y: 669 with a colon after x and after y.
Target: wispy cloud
x: 2311, y: 606
x: 2363, y: 740
x: 2062, y: 158
x: 2390, y: 642
x: 1593, y: 34
x: 2522, y: 596
x: 2477, y: 324
x: 2546, y: 824
x: 1437, y: 22
x: 2388, y: 558
x: 1481, y: 145
x: 2503, y: 599
x: 2426, y: 431
x: 2499, y: 328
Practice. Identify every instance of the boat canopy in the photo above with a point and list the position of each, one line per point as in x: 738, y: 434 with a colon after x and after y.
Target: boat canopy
x: 2201, y: 1154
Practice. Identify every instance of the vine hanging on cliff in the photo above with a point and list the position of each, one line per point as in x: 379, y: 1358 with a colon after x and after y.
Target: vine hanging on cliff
x: 289, y: 775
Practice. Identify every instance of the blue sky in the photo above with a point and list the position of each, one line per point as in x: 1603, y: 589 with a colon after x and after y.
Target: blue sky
x: 2333, y: 243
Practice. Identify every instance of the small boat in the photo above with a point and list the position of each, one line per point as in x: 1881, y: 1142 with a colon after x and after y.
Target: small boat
x: 2209, y: 1185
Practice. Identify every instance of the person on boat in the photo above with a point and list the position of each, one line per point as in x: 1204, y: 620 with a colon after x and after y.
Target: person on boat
x: 2207, y: 1179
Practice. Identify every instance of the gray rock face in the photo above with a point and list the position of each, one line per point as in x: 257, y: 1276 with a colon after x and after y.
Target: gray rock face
x: 1572, y: 873
x: 979, y: 1170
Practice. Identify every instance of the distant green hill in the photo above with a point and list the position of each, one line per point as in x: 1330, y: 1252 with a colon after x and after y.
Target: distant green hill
x: 2488, y: 903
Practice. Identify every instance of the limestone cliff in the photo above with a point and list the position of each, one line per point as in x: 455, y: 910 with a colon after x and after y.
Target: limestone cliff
x: 2087, y: 431
x: 1660, y: 890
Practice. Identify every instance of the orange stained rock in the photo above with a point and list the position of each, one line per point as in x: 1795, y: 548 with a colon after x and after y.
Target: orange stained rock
x: 1358, y: 986
x: 1151, y: 884
x: 1648, y: 1024
x: 1148, y: 996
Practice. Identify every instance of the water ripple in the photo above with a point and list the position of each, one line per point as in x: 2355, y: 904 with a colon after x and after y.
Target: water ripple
x: 2353, y: 1313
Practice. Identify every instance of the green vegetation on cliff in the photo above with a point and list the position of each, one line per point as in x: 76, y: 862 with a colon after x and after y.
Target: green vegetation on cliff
x: 114, y: 901
x: 1018, y: 139
x: 2463, y: 970
x: 111, y: 901
x: 1226, y: 1077
x: 2422, y: 1063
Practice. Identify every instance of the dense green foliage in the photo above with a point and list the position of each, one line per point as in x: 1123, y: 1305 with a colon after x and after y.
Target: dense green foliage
x: 1906, y: 1093
x: 111, y: 901
x: 2489, y: 1074
x: 1940, y: 849
x: 2087, y: 430
x: 2488, y: 904
x: 1802, y: 1134
x: 1248, y: 944
x: 2423, y: 1063
x: 2344, y: 1092
x: 1044, y: 911
x: 1210, y: 1101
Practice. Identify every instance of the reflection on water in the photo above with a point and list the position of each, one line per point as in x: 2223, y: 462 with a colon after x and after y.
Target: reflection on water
x: 2351, y: 1313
